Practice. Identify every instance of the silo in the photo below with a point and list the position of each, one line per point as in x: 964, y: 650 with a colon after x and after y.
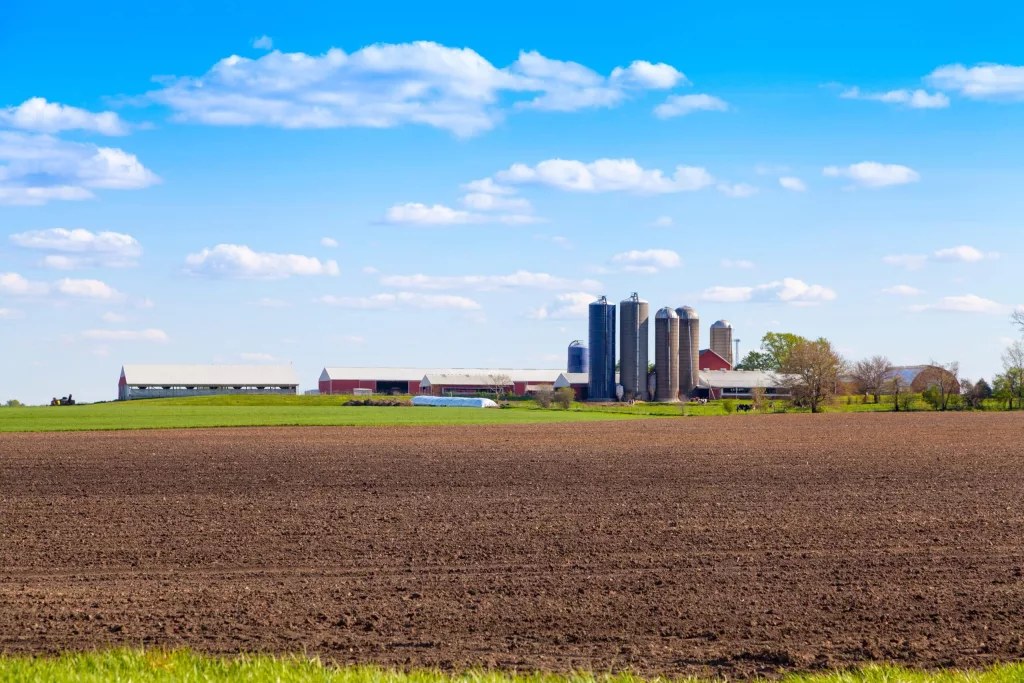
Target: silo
x: 666, y: 355
x: 721, y: 339
x: 579, y: 358
x: 689, y: 350
x: 602, y: 351
x: 634, y: 347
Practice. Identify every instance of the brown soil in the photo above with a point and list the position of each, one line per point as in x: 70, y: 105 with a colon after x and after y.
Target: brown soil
x: 720, y: 545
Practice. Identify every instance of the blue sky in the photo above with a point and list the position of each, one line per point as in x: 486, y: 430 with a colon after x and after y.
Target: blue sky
x: 342, y: 194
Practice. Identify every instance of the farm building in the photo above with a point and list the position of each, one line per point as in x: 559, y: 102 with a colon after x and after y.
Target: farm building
x: 166, y: 381
x: 339, y: 380
x: 709, y: 360
x: 739, y: 384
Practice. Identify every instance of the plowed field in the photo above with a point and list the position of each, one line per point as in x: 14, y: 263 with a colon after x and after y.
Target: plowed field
x: 735, y: 545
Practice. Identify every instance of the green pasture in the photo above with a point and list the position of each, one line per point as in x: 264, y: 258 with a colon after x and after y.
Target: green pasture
x: 181, y: 666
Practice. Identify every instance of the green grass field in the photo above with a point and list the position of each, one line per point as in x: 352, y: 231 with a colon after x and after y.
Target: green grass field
x: 252, y: 412
x: 155, y: 666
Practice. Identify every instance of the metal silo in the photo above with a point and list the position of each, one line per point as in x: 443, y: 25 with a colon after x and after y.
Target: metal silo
x: 579, y: 358
x: 721, y: 339
x: 634, y: 347
x: 666, y: 355
x: 602, y: 351
x: 689, y: 350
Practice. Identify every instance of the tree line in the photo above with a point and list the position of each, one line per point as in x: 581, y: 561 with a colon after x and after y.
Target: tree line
x: 813, y: 372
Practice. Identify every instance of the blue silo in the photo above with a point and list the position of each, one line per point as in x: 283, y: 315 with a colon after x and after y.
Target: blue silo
x: 579, y: 358
x: 602, y: 351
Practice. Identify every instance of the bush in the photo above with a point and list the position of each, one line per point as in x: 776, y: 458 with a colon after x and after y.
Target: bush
x: 729, y: 405
x: 14, y: 403
x: 543, y: 396
x: 564, y: 398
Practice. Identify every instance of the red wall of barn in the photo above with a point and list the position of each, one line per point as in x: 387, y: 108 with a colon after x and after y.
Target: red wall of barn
x: 712, y: 361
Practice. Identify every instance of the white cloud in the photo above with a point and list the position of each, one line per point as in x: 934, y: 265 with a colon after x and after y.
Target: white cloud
x: 107, y: 249
x: 681, y: 105
x: 915, y: 99
x: 10, y: 314
x: 37, y: 168
x: 87, y: 289
x: 728, y: 263
x: 521, y: 279
x: 382, y: 85
x: 790, y: 290
x: 39, y: 116
x: 257, y: 357
x: 402, y: 299
x: 872, y: 174
x: 663, y: 222
x: 963, y: 253
x: 606, y: 175
x: 16, y: 285
x: 648, y: 260
x: 565, y: 306
x: 791, y: 183
x: 481, y: 201
x: 739, y: 190
x: 902, y: 290
x: 488, y: 186
x: 969, y: 303
x: 263, y: 43
x: 908, y: 261
x: 982, y: 81
x: 421, y: 214
x: 239, y: 261
x: 150, y: 335
x: 370, y: 270
x: 328, y: 242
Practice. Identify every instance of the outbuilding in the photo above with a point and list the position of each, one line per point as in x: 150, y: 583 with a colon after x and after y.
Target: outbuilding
x: 169, y: 381
x: 343, y: 380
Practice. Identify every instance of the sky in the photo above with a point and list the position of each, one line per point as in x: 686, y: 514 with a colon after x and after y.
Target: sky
x: 408, y: 185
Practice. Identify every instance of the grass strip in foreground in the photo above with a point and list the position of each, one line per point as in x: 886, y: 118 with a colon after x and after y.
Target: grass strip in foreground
x: 158, y: 666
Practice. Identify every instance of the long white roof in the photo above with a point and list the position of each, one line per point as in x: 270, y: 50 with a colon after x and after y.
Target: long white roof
x: 210, y: 375
x: 739, y: 379
x: 417, y: 374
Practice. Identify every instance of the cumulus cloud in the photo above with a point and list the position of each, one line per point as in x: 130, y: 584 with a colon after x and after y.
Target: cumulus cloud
x: 39, y: 116
x: 521, y: 279
x: 481, y: 201
x: 37, y: 168
x: 86, y: 249
x: 960, y: 254
x: 729, y: 263
x: 681, y: 105
x: 386, y: 85
x: 87, y: 289
x: 902, y: 290
x: 969, y: 303
x: 239, y: 261
x: 606, y: 175
x: 648, y: 260
x: 488, y: 186
x: 915, y: 99
x: 401, y: 299
x: 263, y: 43
x: 873, y: 175
x: 16, y: 285
x: 565, y: 306
x: 738, y: 191
x: 791, y: 183
x: 790, y: 290
x: 149, y: 335
x: 982, y: 81
x: 414, y: 213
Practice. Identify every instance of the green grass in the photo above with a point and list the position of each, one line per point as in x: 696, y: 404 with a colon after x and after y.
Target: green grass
x: 180, y: 666
x: 174, y: 413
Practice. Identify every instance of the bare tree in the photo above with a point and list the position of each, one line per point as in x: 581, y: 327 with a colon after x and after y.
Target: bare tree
x: 944, y: 381
x: 544, y: 395
x: 757, y: 395
x: 564, y: 397
x: 1017, y: 317
x: 499, y: 383
x: 898, y: 387
x: 811, y: 372
x: 871, y: 374
x: 1013, y: 372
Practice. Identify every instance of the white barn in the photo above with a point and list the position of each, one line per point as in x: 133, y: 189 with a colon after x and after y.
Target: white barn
x: 167, y: 381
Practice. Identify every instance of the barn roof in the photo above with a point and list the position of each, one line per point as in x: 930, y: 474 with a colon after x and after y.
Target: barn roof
x: 456, y: 379
x: 416, y: 374
x: 739, y: 379
x: 209, y: 375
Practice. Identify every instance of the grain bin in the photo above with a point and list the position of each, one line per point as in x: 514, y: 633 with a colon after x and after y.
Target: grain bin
x: 689, y: 350
x: 634, y: 347
x: 721, y: 339
x: 602, y: 351
x: 666, y: 355
x: 579, y: 358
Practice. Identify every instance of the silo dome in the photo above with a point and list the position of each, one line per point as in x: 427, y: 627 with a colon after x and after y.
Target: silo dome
x: 722, y: 324
x: 666, y: 313
x: 687, y: 313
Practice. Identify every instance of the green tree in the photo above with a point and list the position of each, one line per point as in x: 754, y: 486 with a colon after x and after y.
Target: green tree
x: 775, y: 349
x: 811, y: 372
x: 14, y: 403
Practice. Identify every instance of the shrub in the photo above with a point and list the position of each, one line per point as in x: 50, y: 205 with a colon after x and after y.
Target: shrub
x: 543, y: 396
x: 14, y: 403
x: 564, y: 398
x: 729, y: 405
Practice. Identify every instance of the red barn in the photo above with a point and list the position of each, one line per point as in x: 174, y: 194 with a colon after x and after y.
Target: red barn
x: 334, y: 380
x: 709, y: 360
